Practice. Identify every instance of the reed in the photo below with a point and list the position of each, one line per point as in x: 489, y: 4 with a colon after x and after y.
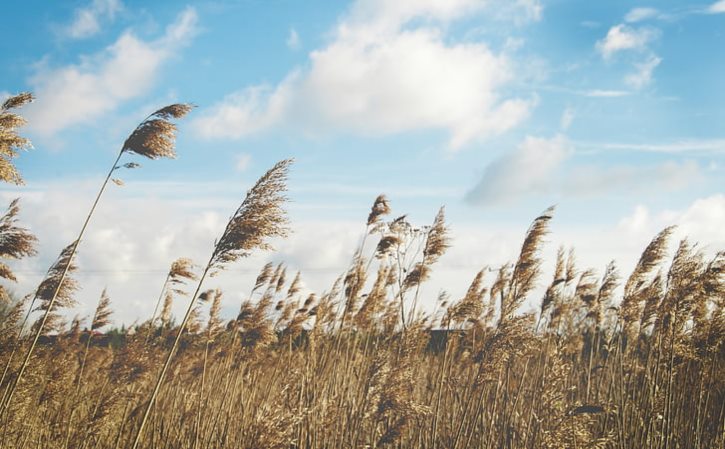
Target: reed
x: 363, y: 364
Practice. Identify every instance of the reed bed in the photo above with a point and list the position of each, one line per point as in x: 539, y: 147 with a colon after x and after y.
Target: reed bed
x: 607, y: 361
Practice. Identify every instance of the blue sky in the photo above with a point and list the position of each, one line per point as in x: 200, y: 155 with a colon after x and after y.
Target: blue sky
x: 496, y: 109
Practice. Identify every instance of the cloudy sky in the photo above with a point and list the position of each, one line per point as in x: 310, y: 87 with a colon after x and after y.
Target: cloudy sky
x: 494, y: 108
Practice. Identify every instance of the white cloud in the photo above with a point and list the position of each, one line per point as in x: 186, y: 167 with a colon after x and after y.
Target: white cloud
x: 717, y: 7
x: 252, y: 110
x: 242, y: 162
x: 411, y: 81
x: 640, y: 14
x: 567, y: 117
x: 87, y: 20
x: 386, y: 15
x: 133, y: 239
x: 79, y: 93
x: 623, y: 37
x: 643, y: 74
x: 293, y: 40
x: 700, y: 222
x: 525, y: 170
x: 682, y: 146
x: 379, y: 75
x: 594, y: 180
x: 599, y: 93
x: 532, y: 9
x: 536, y: 167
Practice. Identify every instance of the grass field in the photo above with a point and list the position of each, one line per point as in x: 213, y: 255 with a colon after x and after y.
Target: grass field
x: 618, y: 360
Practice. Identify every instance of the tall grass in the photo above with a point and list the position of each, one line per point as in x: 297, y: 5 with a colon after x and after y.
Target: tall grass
x: 363, y: 364
x: 153, y: 138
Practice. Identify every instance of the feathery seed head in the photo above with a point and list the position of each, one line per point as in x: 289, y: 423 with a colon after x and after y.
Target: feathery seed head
x: 69, y: 286
x: 259, y: 218
x: 102, y: 317
x: 263, y: 276
x: 154, y: 137
x: 10, y: 140
x: 15, y: 242
x: 380, y: 207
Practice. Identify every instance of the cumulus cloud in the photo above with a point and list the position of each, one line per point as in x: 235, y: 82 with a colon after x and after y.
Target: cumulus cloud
x: 623, y: 37
x: 79, y: 93
x: 701, y: 221
x: 388, y: 69
x: 87, y: 20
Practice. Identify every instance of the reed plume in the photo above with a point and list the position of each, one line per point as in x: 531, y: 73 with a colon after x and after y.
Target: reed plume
x: 471, y: 306
x: 10, y: 140
x: 527, y: 267
x: 102, y: 315
x: 181, y: 270
x: 375, y: 300
x: 264, y: 276
x: 630, y: 309
x: 54, y: 292
x: 153, y: 138
x: 259, y: 218
x: 380, y: 207
x: 15, y: 243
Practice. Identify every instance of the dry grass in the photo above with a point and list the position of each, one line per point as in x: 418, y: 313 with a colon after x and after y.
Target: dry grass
x: 301, y: 375
x: 363, y: 365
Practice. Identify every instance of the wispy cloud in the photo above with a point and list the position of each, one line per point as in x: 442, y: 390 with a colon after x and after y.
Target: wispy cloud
x: 293, y: 40
x: 642, y: 75
x: 624, y: 38
x: 540, y: 166
x: 567, y: 117
x: 586, y: 180
x: 527, y: 169
x: 680, y: 146
x: 242, y: 162
x: 605, y: 93
x: 79, y: 93
x: 640, y: 14
x: 87, y: 21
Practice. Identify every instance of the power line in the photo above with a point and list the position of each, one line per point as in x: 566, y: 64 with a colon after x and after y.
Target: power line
x: 238, y: 270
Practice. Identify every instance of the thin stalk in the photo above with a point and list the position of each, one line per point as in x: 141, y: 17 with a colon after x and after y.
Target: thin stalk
x: 78, y: 384
x: 167, y: 363
x: 18, y: 342
x: 201, y: 396
x: 156, y: 309
x: 51, y: 303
